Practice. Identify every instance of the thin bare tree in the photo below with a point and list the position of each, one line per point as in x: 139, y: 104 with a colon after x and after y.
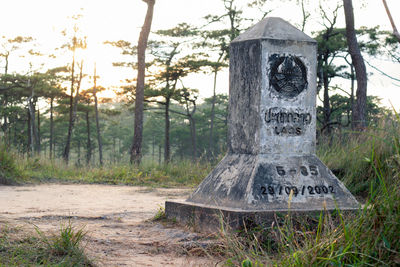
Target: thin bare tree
x: 395, y: 31
x: 136, y: 148
x: 96, y: 109
x: 359, y: 120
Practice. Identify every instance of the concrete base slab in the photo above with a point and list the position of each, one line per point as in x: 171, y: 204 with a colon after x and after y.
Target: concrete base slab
x: 210, y: 218
x: 253, y: 189
x: 264, y: 182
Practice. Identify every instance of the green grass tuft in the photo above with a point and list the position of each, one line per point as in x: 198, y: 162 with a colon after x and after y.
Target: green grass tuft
x: 63, y: 249
x: 160, y: 215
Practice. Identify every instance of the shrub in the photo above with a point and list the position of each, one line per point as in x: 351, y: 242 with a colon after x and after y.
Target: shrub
x: 9, y: 173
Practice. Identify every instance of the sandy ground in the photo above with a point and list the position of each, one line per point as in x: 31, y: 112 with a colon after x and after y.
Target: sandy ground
x: 116, y: 219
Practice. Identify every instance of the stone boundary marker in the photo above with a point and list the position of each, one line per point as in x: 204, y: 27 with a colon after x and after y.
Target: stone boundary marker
x: 271, y: 166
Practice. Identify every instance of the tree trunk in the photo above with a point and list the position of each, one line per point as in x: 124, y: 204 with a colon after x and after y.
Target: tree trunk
x: 351, y: 92
x: 159, y: 154
x: 327, y: 105
x: 74, y: 111
x: 79, y: 153
x: 359, y: 121
x: 97, y: 120
x: 89, y: 141
x: 395, y: 31
x: 136, y: 148
x: 119, y: 150
x: 32, y: 109
x: 351, y: 102
x: 5, y: 119
x: 153, y: 149
x: 71, y: 103
x: 193, y: 137
x: 15, y: 135
x: 31, y: 114
x: 76, y: 100
x: 167, y: 126
x: 99, y: 142
x: 8, y: 138
x: 51, y: 127
x: 192, y: 125
x: 113, y: 150
x: 69, y: 133
x: 210, y: 141
x: 38, y: 132
x: 30, y: 135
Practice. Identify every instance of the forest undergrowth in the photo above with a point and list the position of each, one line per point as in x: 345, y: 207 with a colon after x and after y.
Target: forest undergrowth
x: 16, y: 170
x: 368, y: 163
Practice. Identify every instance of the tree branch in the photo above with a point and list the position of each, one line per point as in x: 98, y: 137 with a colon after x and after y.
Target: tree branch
x: 383, y: 73
x: 395, y: 32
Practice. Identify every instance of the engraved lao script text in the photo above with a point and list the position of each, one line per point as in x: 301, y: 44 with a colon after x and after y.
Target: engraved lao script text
x: 287, y: 122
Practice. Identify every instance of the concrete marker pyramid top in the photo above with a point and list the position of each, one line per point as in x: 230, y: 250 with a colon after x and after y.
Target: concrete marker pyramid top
x: 274, y: 28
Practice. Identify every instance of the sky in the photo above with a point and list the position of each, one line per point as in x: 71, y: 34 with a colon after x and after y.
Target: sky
x: 122, y: 20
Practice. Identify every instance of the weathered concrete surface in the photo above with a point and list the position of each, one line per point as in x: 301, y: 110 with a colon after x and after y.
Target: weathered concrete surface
x: 252, y: 100
x: 274, y: 28
x: 265, y: 181
x: 271, y: 164
x: 211, y: 218
x: 245, y: 81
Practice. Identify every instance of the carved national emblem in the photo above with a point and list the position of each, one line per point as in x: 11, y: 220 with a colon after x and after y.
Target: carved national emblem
x: 288, y: 75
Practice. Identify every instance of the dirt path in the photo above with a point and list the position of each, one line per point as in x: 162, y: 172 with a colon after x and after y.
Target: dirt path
x: 116, y: 219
